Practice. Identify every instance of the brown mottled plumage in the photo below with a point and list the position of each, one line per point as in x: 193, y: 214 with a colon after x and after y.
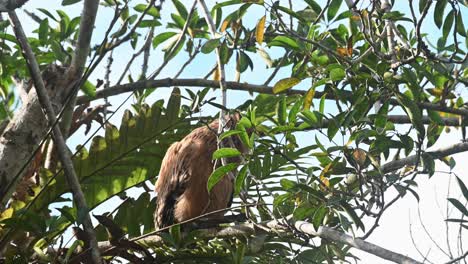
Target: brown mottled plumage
x: 182, y: 183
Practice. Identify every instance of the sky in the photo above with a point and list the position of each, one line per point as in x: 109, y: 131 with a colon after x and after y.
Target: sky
x: 400, y: 228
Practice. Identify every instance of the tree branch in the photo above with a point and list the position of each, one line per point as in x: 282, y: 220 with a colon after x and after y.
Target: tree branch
x: 88, y: 18
x: 263, y: 89
x: 336, y: 236
x: 59, y: 140
x: 10, y: 5
x: 273, y: 227
x: 436, y: 154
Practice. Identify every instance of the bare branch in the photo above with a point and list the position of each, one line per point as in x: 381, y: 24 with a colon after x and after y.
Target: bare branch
x: 280, y: 226
x: 455, y: 260
x: 59, y: 140
x: 263, y: 89
x: 336, y: 236
x: 436, y: 154
x: 88, y: 18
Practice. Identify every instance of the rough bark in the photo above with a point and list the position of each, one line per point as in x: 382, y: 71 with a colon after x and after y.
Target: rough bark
x: 23, y: 134
x: 10, y: 5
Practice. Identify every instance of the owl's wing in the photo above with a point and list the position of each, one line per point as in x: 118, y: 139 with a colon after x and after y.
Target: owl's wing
x: 171, y: 184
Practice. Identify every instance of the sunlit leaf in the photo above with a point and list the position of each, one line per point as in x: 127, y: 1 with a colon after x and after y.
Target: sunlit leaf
x: 285, y: 84
x: 226, y: 153
x: 260, y: 30
x: 218, y: 174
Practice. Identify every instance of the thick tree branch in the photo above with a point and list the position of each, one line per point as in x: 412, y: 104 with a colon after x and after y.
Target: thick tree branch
x: 273, y: 227
x: 436, y: 154
x: 10, y: 5
x: 264, y: 89
x: 59, y: 140
x: 88, y: 18
x: 336, y: 236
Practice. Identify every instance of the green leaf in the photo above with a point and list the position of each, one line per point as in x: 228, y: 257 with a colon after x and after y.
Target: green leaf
x: 226, y: 153
x: 67, y: 212
x: 229, y: 133
x: 319, y: 215
x: 71, y: 250
x: 173, y: 50
x: 240, y: 179
x: 160, y: 38
x: 461, y: 29
x: 146, y: 23
x: 294, y: 111
x: 314, y: 5
x: 210, y: 45
x: 448, y: 24
x: 414, y: 113
x: 173, y: 105
x: 356, y: 220
x: 337, y: 74
x: 281, y: 111
x: 322, y: 103
x: 333, y: 9
x: 459, y: 206
x: 218, y: 174
x: 69, y: 2
x: 125, y: 157
x: 180, y: 9
x: 463, y: 188
x: 47, y: 13
x: 43, y: 30
x: 422, y: 5
x: 244, y: 62
x: 309, y: 117
x: 285, y: 84
x: 285, y: 42
x: 287, y: 184
x: 152, y: 10
x: 89, y: 89
x: 439, y: 12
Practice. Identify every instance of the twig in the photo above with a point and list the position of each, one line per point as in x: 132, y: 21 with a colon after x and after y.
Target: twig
x: 145, y: 46
x: 107, y: 83
x: 177, y: 43
x: 455, y: 260
x: 191, y: 58
x: 276, y: 70
x: 429, y: 234
x: 59, y: 140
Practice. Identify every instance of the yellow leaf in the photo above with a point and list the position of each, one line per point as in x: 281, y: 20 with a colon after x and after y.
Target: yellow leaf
x: 308, y: 98
x: 216, y: 75
x: 325, y: 181
x: 438, y: 92
x: 8, y: 213
x: 260, y: 30
x: 342, y: 52
x: 365, y: 13
x: 349, y: 46
x: 224, y: 25
x: 324, y: 173
x: 360, y: 156
x: 285, y: 84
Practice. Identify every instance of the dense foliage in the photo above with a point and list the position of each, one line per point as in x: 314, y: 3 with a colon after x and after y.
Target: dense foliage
x: 360, y: 91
